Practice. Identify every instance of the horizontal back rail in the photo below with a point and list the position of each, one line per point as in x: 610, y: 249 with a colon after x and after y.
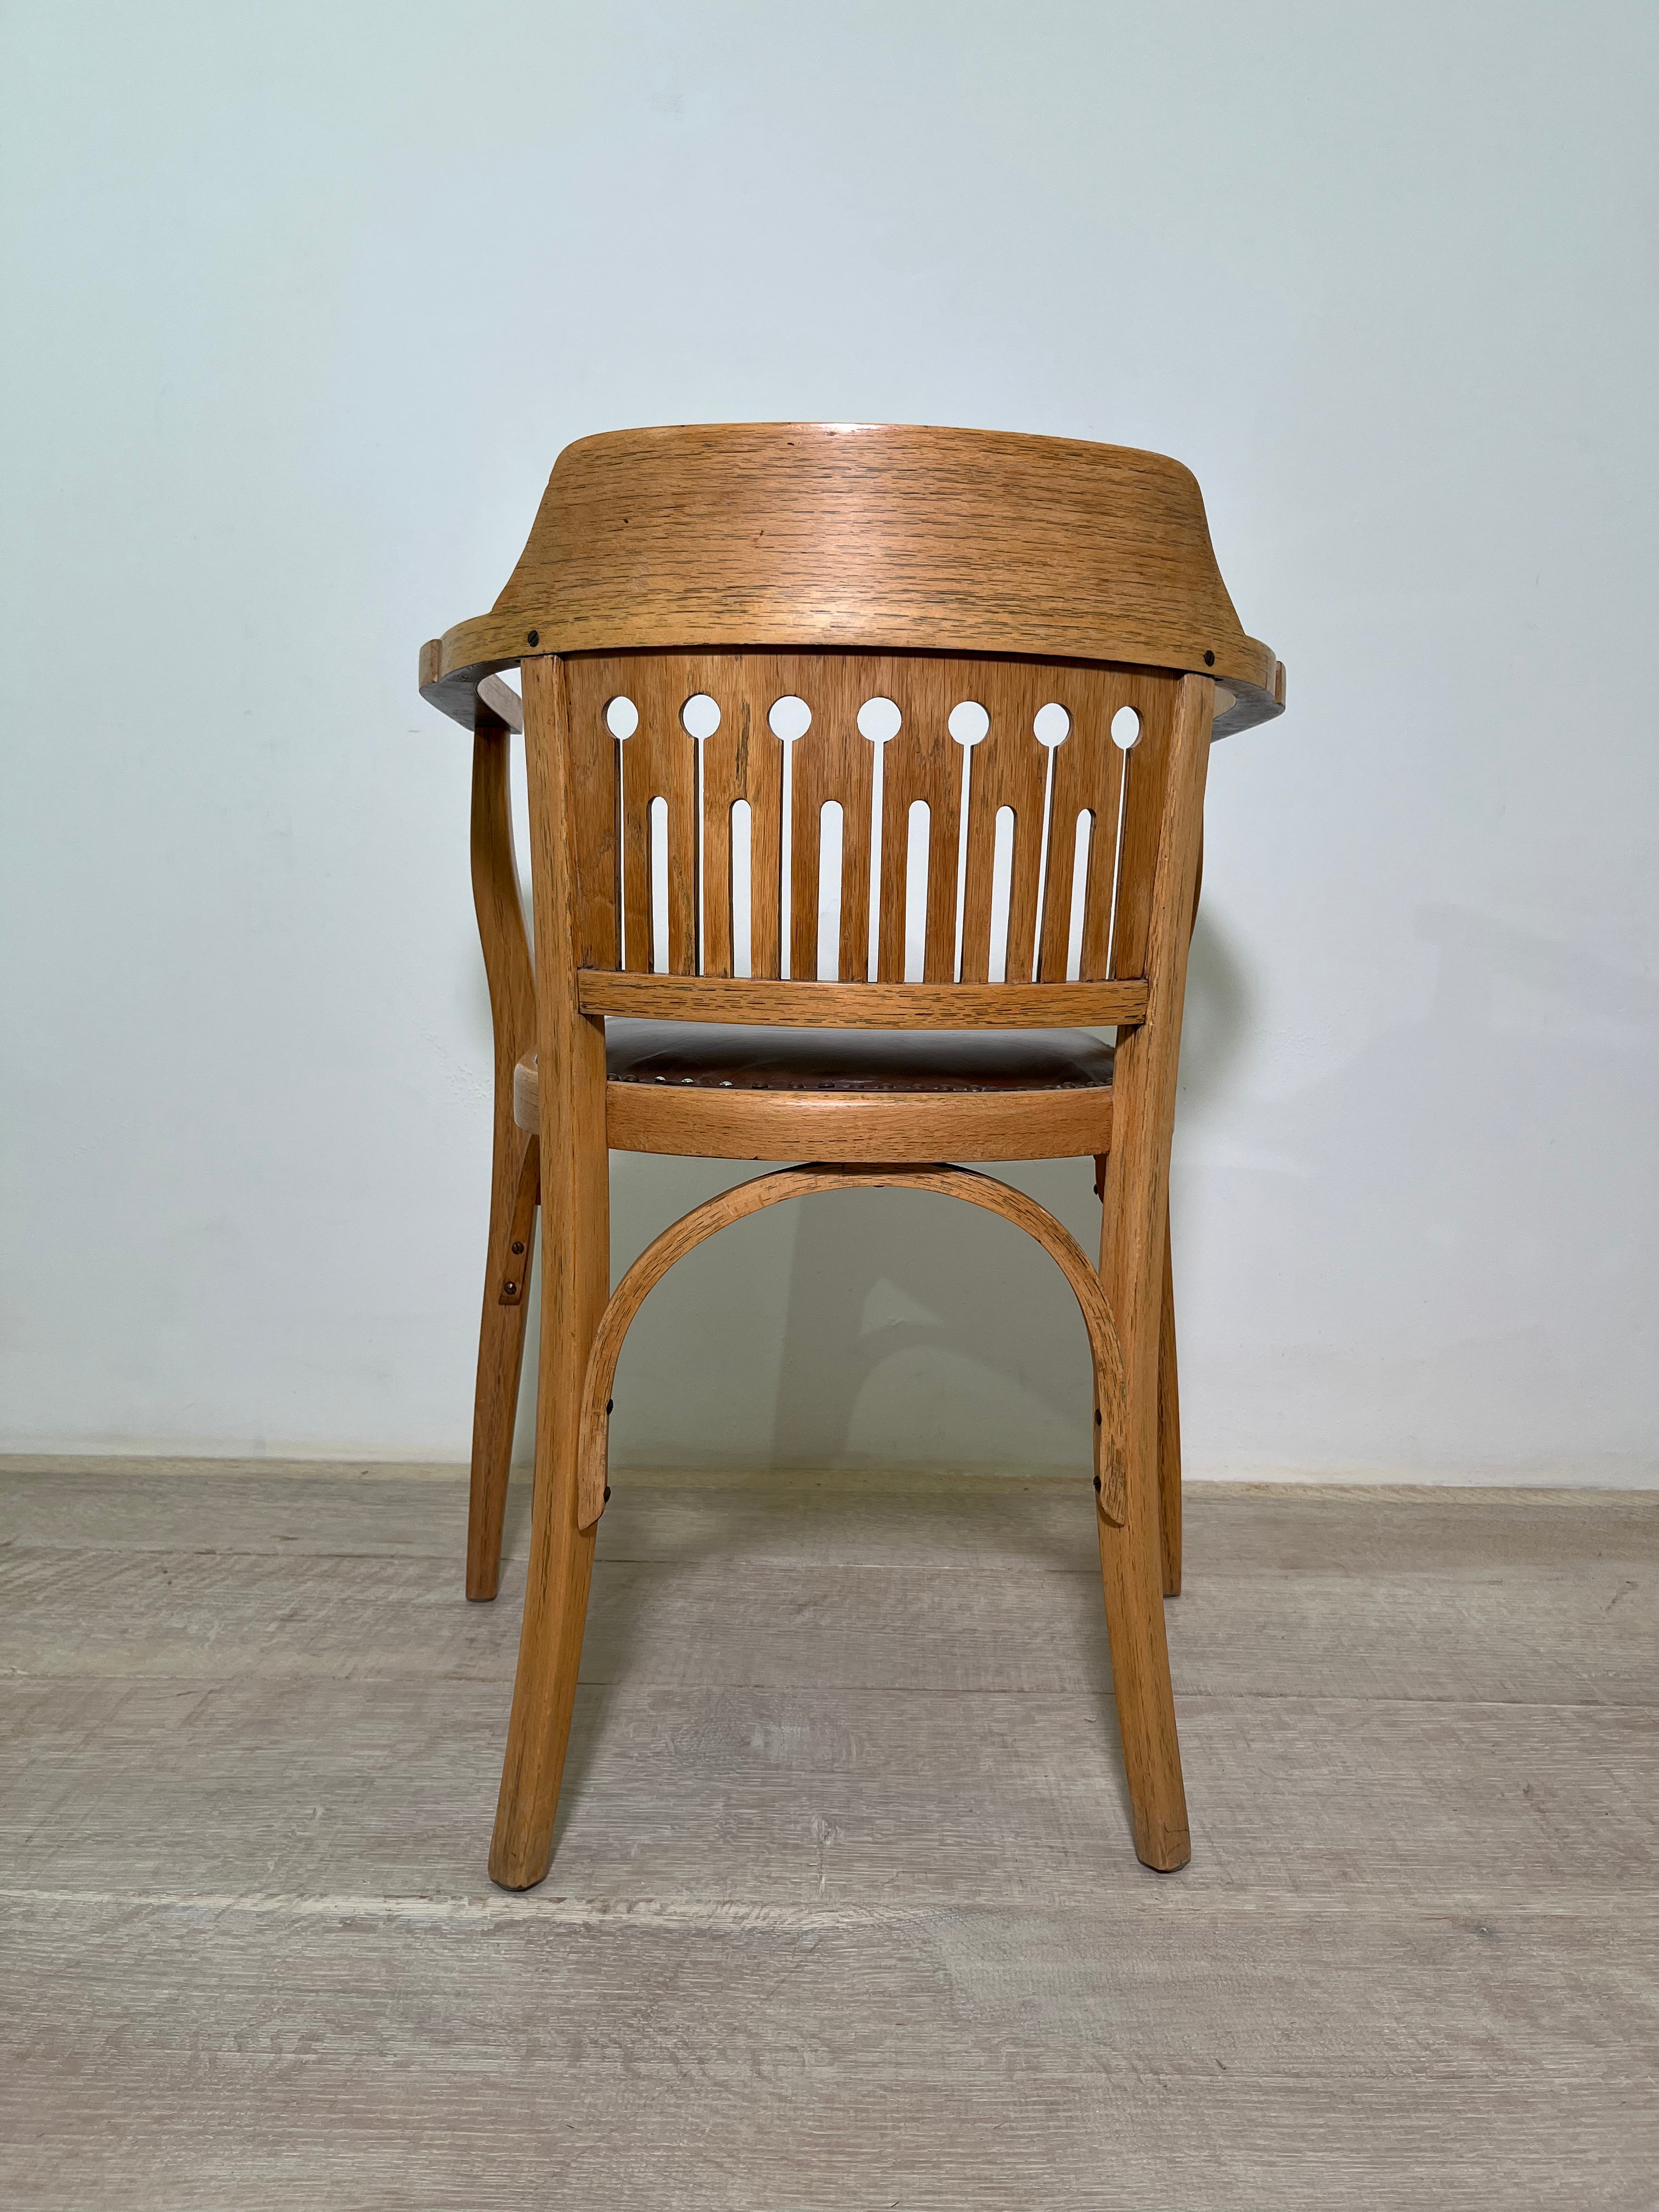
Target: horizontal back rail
x: 864, y: 1006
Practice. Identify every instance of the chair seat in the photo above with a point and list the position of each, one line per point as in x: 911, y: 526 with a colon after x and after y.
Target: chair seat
x: 691, y: 1087
x: 717, y: 1057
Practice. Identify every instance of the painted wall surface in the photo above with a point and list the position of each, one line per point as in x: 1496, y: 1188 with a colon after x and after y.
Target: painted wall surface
x: 303, y: 301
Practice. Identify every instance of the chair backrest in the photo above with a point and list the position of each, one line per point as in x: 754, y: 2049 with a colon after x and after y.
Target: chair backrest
x: 848, y: 817
x: 866, y: 704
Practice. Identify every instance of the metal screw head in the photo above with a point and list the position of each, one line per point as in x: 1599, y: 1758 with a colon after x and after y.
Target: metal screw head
x: 535, y: 638
x: 1209, y: 658
x: 518, y: 1248
x: 1097, y: 1483
x: 610, y: 1405
x: 607, y: 1494
x: 510, y: 1288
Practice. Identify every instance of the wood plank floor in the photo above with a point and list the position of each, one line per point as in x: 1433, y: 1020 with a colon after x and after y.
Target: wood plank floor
x: 843, y: 1910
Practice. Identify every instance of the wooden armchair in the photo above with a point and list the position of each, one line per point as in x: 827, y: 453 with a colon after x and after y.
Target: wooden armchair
x: 867, y: 773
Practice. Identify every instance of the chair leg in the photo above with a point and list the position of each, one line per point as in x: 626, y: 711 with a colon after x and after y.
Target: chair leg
x: 575, y: 1279
x: 500, y: 1357
x: 1135, y: 1564
x: 549, y: 1660
x: 1129, y: 1563
x: 1169, y: 1433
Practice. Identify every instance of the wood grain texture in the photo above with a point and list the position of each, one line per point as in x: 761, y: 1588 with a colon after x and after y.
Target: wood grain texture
x: 775, y: 1125
x: 971, y: 2061
x: 1547, y: 1598
x: 968, y: 1005
x: 878, y: 537
x: 1169, y: 1427
x: 575, y: 1197
x: 841, y: 1916
x: 513, y: 1019
x: 460, y: 694
x: 1175, y: 738
x: 515, y: 1280
x: 800, y: 1125
x: 832, y: 763
x: 719, y: 1212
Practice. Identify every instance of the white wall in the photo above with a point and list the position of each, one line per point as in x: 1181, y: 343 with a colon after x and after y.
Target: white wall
x: 303, y: 302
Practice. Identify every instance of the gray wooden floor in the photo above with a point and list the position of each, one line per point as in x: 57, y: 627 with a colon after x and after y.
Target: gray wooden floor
x: 843, y: 1910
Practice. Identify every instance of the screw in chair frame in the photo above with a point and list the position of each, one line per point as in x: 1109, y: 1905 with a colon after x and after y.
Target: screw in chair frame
x: 866, y: 771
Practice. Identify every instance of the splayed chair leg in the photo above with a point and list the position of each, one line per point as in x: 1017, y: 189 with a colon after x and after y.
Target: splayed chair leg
x: 1168, y: 1434
x: 575, y: 1279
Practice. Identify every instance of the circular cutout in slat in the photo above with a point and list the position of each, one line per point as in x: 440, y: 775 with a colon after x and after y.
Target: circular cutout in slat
x: 700, y: 717
x: 1126, y: 728
x: 1051, y: 725
x: 790, y: 718
x: 622, y: 717
x: 879, y: 719
x: 968, y: 722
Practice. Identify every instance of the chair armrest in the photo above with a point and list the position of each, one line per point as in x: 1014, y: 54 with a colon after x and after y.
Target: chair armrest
x: 460, y: 694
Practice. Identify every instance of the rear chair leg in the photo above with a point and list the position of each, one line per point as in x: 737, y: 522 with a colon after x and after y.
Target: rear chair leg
x: 1169, y: 1433
x: 514, y: 1192
x: 1168, y: 1414
x: 575, y: 1279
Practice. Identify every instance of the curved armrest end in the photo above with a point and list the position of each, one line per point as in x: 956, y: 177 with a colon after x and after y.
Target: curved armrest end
x: 464, y: 691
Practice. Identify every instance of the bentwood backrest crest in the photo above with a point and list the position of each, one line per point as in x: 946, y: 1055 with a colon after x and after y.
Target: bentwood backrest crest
x: 872, y: 537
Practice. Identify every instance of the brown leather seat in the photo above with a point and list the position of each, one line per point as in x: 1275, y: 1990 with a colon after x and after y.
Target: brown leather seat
x: 660, y: 1076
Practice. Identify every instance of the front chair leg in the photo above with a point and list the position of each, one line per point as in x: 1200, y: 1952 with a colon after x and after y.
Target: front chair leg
x: 514, y: 1194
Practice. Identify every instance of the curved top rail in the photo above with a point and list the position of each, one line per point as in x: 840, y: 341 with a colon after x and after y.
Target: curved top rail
x: 825, y: 536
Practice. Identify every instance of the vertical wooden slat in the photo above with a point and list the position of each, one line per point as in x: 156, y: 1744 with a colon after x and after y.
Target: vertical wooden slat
x: 923, y: 761
x: 741, y: 761
x: 595, y: 771
x: 1010, y: 768
x: 833, y: 760
x: 763, y: 767
x: 1088, y: 769
x: 659, y: 762
x: 613, y: 785
x: 1146, y: 772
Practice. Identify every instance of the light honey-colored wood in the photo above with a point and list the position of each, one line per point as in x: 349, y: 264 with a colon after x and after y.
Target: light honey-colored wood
x: 1132, y: 1265
x: 575, y: 1195
x: 841, y: 565
x: 788, y: 784
x: 514, y: 1281
x: 877, y: 536
x: 1169, y: 1429
x: 864, y: 1006
x: 782, y: 1125
x: 719, y: 1212
x: 512, y: 1220
x: 694, y: 1123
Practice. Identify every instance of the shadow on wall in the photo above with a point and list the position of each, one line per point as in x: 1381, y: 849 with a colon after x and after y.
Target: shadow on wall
x: 907, y: 1312
x: 1348, y: 1256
